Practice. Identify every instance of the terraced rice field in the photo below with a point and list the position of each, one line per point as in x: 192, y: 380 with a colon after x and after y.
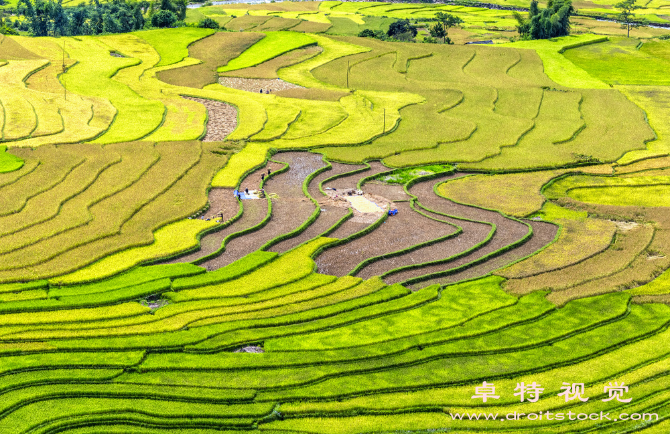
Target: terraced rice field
x: 182, y: 253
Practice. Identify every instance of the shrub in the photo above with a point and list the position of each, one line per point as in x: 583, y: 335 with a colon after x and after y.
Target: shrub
x: 5, y: 30
x: 208, y: 23
x: 164, y: 19
x: 402, y: 29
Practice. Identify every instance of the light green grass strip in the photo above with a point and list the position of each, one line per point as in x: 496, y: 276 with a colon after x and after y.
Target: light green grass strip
x: 301, y: 73
x: 9, y: 162
x: 556, y: 66
x: 272, y: 45
x: 172, y: 44
x: 168, y: 240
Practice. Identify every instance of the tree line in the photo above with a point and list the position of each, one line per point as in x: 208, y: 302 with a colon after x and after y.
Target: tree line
x: 50, y: 18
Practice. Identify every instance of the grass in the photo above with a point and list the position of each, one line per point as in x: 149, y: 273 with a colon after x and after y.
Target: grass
x: 285, y: 269
x: 487, y: 293
x: 153, y: 201
x: 169, y: 240
x: 245, y: 22
x: 301, y: 74
x: 623, y: 250
x: 403, y: 176
x: 653, y: 196
x: 274, y: 44
x: 518, y: 194
x: 9, y: 162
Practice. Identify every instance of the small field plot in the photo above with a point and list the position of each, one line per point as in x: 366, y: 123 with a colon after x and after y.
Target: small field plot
x: 625, y: 61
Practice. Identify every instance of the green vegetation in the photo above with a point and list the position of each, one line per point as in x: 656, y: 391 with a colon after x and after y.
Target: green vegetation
x: 624, y: 61
x: 9, y: 162
x: 272, y: 45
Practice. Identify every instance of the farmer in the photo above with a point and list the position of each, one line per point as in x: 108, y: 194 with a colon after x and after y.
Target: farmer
x: 246, y: 191
x: 269, y: 171
x: 261, y: 91
x: 263, y: 177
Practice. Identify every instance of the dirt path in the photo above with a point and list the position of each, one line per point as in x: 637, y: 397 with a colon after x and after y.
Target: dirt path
x: 290, y: 208
x: 221, y: 119
x: 401, y: 231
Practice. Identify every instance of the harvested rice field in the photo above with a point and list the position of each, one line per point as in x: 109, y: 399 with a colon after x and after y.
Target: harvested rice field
x: 278, y: 226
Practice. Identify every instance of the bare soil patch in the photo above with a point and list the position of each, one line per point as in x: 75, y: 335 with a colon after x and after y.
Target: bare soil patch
x: 398, y: 232
x: 253, y: 349
x: 327, y: 218
x: 336, y: 169
x: 351, y: 181
x: 254, y: 212
x: 278, y: 23
x: 221, y: 119
x: 256, y: 85
x: 276, y: 7
x: 389, y: 191
x: 359, y: 221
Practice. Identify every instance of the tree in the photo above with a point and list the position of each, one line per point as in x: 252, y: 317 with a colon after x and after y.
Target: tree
x: 626, y: 17
x: 401, y: 27
x: 367, y: 33
x: 447, y: 21
x: 163, y: 19
x: 208, y: 23
x: 437, y: 31
x: 546, y: 23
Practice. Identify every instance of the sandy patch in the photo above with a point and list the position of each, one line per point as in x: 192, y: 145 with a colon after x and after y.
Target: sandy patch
x: 257, y: 85
x: 363, y: 204
x: 626, y: 226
